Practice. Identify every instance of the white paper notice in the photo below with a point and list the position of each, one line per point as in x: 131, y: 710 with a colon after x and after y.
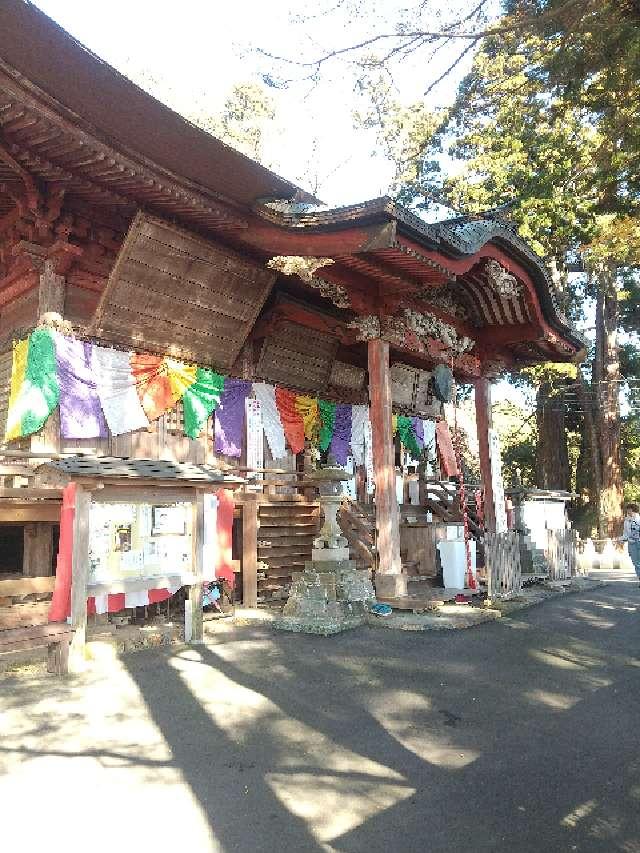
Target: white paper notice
x: 255, y: 435
x: 131, y: 562
x: 497, y: 482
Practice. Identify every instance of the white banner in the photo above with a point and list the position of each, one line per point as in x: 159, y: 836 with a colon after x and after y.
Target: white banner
x: 255, y: 435
x: 497, y: 482
x: 368, y: 458
x: 349, y: 486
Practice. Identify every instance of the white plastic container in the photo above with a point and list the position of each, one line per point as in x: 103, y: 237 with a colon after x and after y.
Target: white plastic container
x: 453, y: 556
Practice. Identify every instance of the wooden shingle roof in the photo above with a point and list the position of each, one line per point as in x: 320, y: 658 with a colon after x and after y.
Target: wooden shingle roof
x: 113, y: 467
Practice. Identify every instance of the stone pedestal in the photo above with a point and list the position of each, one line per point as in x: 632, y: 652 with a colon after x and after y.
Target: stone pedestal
x: 330, y: 595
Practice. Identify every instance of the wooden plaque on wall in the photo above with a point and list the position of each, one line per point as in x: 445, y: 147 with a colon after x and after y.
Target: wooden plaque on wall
x: 172, y: 292
x: 403, y: 383
x: 297, y: 357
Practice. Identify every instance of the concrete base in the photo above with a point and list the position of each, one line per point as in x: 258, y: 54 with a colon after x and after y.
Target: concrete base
x: 321, y: 626
x: 391, y: 586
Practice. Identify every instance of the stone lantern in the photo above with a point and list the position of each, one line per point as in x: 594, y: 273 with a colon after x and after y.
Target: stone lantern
x: 330, y: 595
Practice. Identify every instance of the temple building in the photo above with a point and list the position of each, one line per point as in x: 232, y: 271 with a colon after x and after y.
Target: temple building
x: 164, y: 298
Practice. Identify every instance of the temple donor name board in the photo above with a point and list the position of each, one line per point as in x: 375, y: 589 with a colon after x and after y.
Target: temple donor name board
x: 173, y: 292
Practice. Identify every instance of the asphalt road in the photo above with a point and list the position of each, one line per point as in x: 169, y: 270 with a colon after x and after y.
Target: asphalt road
x: 519, y: 735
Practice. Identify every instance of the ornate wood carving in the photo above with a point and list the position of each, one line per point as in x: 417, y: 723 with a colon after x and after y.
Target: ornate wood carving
x: 503, y: 282
x: 306, y: 268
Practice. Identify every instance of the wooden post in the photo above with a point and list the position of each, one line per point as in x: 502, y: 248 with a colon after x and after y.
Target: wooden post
x: 52, y: 291
x: 195, y: 590
x: 483, y: 422
x: 390, y: 582
x: 250, y: 551
x: 38, y: 549
x: 51, y: 298
x: 79, y: 576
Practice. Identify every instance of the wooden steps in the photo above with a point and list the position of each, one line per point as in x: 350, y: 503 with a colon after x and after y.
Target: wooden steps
x: 286, y: 530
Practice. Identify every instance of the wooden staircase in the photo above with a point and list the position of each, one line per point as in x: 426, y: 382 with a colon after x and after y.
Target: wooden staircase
x: 358, y: 520
x: 443, y: 501
x: 287, y: 525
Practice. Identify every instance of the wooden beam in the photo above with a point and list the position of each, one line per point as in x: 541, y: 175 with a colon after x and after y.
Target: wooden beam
x: 388, y: 577
x: 28, y: 493
x: 52, y: 291
x: 277, y: 240
x: 26, y: 586
x: 483, y: 421
x: 79, y: 576
x: 195, y: 590
x: 250, y: 551
x: 16, y: 471
x: 491, y: 338
x: 12, y: 512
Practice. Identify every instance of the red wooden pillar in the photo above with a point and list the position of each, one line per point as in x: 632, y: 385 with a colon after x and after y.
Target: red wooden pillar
x: 483, y: 422
x: 389, y: 580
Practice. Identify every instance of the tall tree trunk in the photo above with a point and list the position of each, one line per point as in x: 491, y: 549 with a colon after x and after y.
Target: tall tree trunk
x: 606, y: 376
x: 589, y: 469
x: 554, y: 471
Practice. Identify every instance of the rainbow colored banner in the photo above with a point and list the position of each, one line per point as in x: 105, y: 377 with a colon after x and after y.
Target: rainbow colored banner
x: 99, y: 387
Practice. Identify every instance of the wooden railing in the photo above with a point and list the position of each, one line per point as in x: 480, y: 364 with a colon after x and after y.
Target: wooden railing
x: 357, y: 522
x: 442, y: 499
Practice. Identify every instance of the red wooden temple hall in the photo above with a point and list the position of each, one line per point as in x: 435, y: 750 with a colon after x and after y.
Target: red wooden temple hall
x: 143, y: 232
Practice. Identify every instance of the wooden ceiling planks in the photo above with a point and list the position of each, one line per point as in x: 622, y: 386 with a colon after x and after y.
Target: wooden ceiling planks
x: 173, y: 292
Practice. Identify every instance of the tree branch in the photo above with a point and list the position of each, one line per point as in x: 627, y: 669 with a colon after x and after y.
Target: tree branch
x: 435, y: 35
x: 449, y: 69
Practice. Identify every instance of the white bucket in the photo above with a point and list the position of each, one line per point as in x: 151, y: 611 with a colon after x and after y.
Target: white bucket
x: 453, y: 556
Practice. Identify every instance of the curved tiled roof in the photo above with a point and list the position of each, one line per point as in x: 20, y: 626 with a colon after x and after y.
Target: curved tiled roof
x: 456, y: 238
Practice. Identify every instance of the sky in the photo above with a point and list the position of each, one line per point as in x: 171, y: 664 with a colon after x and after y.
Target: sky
x: 191, y: 53
x: 195, y: 50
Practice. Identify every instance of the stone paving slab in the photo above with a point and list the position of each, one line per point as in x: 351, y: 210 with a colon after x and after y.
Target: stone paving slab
x: 447, y: 616
x: 538, y: 595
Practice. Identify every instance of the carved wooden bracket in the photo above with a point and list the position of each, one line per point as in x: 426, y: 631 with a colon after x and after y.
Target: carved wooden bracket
x: 32, y: 193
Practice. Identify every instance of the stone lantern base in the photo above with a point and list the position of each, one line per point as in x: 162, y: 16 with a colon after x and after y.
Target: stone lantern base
x: 329, y: 596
